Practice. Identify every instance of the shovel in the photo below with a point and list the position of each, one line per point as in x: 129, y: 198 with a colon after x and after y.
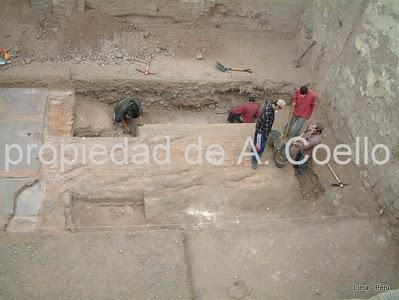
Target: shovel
x: 287, y: 126
x: 224, y: 69
x: 297, y: 62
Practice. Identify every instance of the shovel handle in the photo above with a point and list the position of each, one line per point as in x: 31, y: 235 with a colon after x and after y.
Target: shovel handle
x: 147, y: 69
x: 140, y: 61
x: 288, y: 127
x: 307, y: 50
x: 241, y: 70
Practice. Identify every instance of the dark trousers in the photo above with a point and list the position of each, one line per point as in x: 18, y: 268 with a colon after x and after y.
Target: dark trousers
x: 117, y: 118
x: 260, y: 140
x: 298, y: 157
x: 232, y: 118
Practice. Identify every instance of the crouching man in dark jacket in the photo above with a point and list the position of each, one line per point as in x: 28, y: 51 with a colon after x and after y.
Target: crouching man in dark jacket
x: 128, y: 109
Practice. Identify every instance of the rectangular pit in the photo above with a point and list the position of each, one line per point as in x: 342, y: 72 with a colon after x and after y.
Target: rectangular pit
x: 182, y: 103
x: 104, y: 213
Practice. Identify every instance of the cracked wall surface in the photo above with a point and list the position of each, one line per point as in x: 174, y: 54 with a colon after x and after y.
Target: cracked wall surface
x: 355, y: 65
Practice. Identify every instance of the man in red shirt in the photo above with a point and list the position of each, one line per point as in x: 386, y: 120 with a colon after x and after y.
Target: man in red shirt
x: 304, y: 101
x: 245, y: 113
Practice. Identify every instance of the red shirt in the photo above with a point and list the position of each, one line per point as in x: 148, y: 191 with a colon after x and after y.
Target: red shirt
x: 249, y: 111
x: 304, y: 106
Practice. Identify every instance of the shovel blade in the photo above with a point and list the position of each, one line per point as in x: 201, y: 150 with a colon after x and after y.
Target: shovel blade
x: 296, y: 63
x: 220, y: 67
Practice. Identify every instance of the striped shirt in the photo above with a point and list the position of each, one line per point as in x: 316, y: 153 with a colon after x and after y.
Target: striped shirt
x: 266, y: 119
x: 312, y: 139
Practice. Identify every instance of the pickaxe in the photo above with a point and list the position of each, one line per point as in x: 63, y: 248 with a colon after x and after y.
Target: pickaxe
x: 147, y: 68
x: 339, y: 182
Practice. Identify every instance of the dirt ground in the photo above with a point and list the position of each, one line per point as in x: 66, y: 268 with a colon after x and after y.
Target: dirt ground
x: 313, y: 242
x: 121, y: 40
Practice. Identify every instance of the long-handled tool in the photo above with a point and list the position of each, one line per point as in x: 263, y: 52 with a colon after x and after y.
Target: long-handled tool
x: 288, y: 126
x: 339, y: 182
x: 5, y: 53
x: 147, y: 68
x: 4, y: 62
x: 297, y: 62
x: 224, y: 69
x: 140, y: 61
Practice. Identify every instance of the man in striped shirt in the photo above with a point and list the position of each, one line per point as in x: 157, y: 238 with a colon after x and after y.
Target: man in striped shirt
x: 263, y: 128
x: 313, y: 138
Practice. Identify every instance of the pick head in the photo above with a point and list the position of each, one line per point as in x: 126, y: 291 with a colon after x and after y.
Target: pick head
x: 341, y: 185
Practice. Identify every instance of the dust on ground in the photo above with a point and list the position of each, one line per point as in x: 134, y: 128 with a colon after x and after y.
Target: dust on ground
x: 271, y: 249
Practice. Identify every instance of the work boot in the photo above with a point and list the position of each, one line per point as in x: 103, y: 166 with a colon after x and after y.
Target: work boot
x: 254, y: 164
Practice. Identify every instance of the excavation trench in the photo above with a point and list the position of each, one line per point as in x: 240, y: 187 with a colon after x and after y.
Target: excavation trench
x: 104, y: 213
x: 183, y: 103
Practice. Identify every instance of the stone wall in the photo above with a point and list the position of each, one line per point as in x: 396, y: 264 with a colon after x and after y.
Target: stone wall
x: 355, y: 68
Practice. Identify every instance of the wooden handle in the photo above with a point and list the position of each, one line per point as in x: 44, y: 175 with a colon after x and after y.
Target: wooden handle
x: 288, y: 127
x: 332, y: 171
x: 306, y: 51
x: 147, y: 69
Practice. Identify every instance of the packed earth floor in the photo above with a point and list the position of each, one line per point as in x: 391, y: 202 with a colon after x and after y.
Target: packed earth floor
x: 82, y: 230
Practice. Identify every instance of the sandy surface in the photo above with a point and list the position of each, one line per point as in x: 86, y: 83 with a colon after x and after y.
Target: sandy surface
x: 315, y: 241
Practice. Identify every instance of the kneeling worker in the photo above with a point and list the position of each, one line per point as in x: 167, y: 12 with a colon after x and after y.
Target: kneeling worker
x: 313, y: 138
x: 245, y: 113
x: 128, y: 109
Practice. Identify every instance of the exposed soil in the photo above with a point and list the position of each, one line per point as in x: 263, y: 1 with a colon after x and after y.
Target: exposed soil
x: 89, y: 215
x: 315, y: 242
x: 93, y: 37
x: 162, y: 104
x: 310, y: 185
